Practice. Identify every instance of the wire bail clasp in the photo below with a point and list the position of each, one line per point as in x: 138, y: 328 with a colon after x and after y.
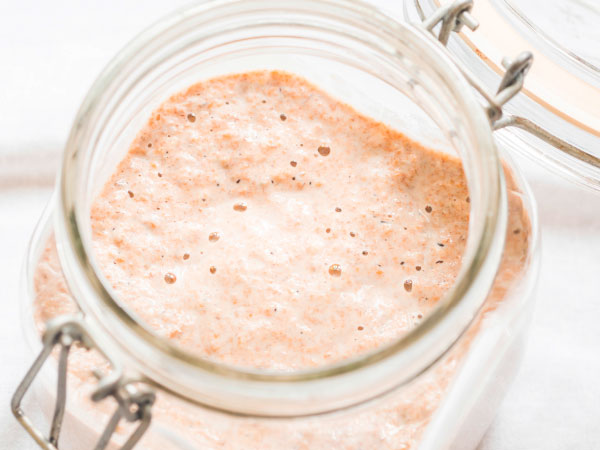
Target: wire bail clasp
x: 511, y: 84
x: 134, y: 400
x: 453, y: 16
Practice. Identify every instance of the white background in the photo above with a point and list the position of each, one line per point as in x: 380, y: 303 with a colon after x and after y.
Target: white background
x: 51, y: 51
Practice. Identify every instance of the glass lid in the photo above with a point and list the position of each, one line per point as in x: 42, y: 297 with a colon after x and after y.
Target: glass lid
x: 555, y: 120
x: 568, y: 26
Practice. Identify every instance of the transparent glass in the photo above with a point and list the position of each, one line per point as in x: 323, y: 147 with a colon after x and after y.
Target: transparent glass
x: 463, y: 353
x: 507, y: 28
x: 565, y: 30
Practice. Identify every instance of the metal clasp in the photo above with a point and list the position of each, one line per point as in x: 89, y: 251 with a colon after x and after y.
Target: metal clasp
x: 452, y: 17
x: 511, y: 84
x: 134, y: 400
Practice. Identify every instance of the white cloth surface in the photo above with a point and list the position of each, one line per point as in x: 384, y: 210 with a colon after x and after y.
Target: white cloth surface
x: 50, y: 52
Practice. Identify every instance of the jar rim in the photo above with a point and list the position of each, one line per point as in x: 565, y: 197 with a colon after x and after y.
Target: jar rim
x: 191, y: 377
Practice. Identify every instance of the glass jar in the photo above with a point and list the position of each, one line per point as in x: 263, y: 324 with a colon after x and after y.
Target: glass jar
x: 437, y: 386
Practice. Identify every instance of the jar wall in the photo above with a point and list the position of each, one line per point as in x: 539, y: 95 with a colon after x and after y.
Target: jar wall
x: 472, y: 378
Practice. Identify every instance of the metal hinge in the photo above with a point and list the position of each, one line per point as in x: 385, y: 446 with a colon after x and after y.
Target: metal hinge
x: 452, y: 17
x: 134, y: 399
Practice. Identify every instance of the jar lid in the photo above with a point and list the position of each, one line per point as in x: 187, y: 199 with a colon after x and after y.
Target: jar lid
x: 556, y: 118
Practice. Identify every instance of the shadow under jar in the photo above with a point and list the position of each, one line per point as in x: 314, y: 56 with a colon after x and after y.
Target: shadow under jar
x: 435, y: 383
